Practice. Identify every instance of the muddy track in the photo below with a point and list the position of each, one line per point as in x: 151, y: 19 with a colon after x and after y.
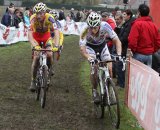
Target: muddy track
x: 68, y: 107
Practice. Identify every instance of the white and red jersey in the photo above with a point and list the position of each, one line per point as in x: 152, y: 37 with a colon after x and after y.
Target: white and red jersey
x: 105, y: 33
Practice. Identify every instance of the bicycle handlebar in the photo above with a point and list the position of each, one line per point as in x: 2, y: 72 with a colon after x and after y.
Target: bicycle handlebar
x: 44, y: 50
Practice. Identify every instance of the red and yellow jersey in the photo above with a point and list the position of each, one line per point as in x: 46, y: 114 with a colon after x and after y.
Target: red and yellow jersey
x: 42, y: 27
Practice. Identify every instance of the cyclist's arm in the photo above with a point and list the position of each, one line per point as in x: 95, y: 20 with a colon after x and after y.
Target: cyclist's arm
x: 30, y: 32
x: 114, y: 37
x: 56, y: 37
x: 118, y: 45
x: 82, y: 44
x: 61, y: 38
x: 31, y: 39
x: 84, y: 52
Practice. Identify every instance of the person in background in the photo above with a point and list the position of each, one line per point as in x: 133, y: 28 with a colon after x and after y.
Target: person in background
x: 144, y: 37
x: 61, y: 14
x: 8, y: 17
x: 10, y: 6
x: 78, y: 15
x: 119, y: 22
x: 110, y: 21
x: 106, y: 17
x: 18, y: 17
x: 156, y: 61
x: 26, y: 17
x: 123, y: 36
x: 73, y: 17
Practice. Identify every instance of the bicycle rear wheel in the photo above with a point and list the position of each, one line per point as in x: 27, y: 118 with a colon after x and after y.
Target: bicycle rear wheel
x: 44, y: 86
x: 113, y: 104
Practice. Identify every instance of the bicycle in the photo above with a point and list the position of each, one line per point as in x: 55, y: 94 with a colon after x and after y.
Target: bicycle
x: 107, y: 92
x: 43, y: 77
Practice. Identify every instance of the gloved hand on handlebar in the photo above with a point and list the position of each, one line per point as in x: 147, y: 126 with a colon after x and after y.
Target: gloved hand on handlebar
x: 120, y: 58
x: 55, y: 48
x: 117, y: 58
x: 37, y: 47
x: 92, y: 60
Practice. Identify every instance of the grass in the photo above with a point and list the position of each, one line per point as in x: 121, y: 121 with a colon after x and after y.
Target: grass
x: 128, y: 121
x: 73, y: 110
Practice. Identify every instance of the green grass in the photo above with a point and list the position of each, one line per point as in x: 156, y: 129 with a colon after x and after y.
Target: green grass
x: 128, y: 121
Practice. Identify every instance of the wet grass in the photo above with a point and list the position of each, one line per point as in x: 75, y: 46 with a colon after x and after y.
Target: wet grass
x: 68, y: 105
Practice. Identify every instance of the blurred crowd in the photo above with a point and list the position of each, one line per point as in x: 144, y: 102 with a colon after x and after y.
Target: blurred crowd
x: 13, y: 16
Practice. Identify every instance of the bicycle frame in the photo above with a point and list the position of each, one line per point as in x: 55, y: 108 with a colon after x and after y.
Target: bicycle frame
x: 42, y: 59
x: 107, y: 91
x: 104, y: 88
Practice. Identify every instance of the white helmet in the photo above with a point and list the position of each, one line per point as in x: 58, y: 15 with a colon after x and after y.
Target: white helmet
x: 94, y: 19
x: 39, y: 7
x: 54, y: 13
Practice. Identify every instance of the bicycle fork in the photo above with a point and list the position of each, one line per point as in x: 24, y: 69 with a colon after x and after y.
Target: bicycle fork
x: 103, y: 76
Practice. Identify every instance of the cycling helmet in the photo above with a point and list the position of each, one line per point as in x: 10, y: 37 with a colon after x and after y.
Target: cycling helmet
x: 94, y: 19
x: 54, y: 13
x: 39, y: 7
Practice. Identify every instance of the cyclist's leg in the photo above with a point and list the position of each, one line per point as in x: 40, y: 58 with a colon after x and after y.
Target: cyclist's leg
x: 61, y: 39
x: 34, y: 68
x: 49, y: 46
x: 93, y: 77
x: 105, y: 55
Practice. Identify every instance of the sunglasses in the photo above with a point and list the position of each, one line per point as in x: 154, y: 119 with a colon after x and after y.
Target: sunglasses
x: 94, y: 27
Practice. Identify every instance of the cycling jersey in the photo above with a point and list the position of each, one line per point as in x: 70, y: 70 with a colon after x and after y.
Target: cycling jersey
x: 105, y: 33
x: 61, y: 37
x: 42, y: 27
x: 41, y: 30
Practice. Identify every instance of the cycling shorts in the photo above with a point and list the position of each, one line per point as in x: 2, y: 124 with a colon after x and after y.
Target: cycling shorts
x: 43, y: 37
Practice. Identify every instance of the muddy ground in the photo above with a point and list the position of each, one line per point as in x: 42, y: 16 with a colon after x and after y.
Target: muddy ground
x: 68, y: 107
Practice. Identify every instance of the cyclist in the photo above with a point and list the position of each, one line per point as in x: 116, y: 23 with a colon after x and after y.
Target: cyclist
x: 93, y: 40
x: 55, y: 14
x: 39, y: 37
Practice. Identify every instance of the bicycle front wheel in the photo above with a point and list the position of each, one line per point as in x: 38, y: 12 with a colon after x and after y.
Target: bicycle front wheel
x: 113, y: 104
x: 44, y: 86
x: 99, y: 108
x: 38, y: 86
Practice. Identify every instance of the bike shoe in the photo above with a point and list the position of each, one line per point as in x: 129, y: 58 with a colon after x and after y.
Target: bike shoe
x: 32, y: 88
x: 96, y: 97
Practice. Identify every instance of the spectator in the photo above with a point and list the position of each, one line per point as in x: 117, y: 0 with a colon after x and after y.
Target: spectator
x: 17, y: 17
x: 156, y: 61
x: 73, y: 17
x: 8, y: 17
x: 110, y: 21
x: 83, y: 19
x: 79, y: 16
x: 123, y: 36
x: 61, y: 14
x: 30, y: 11
x: 119, y: 22
x: 144, y: 38
x: 10, y: 6
x: 126, y: 27
x: 26, y: 17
